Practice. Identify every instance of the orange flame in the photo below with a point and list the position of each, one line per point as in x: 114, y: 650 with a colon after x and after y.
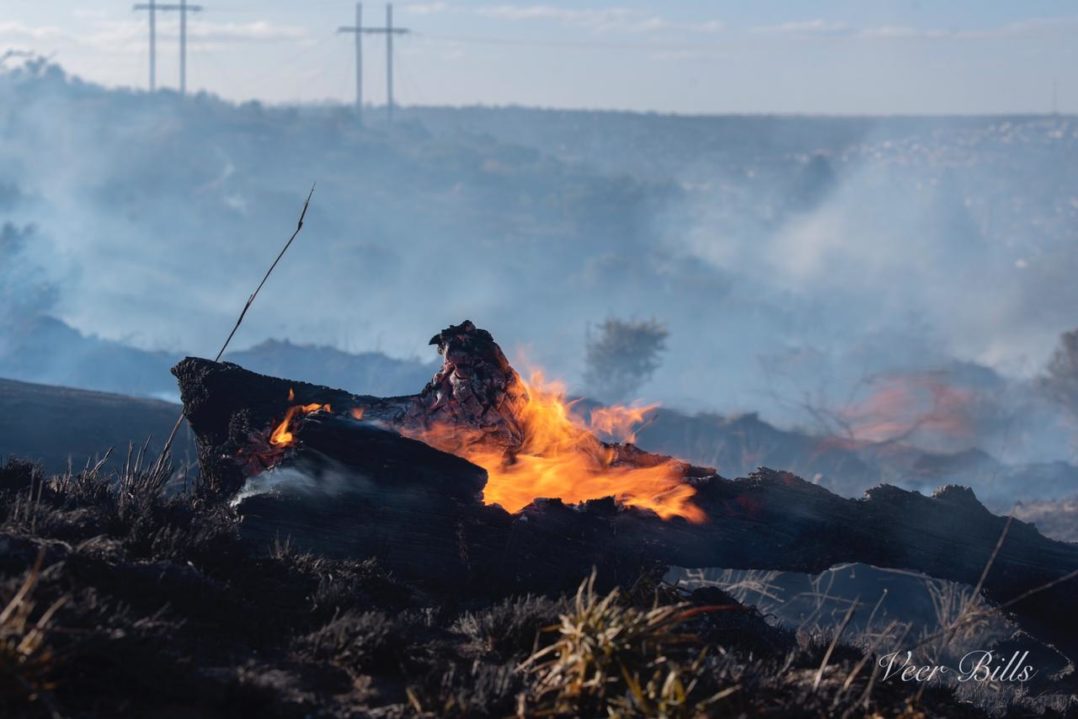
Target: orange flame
x: 559, y: 458
x: 282, y: 436
x: 904, y: 404
x: 619, y: 422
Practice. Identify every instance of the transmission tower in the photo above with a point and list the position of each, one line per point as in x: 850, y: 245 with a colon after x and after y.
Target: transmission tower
x: 153, y: 7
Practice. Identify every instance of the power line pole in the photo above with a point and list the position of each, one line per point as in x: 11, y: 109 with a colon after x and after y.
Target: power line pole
x: 389, y: 31
x: 389, y: 62
x: 357, y: 30
x: 184, y: 7
x: 153, y: 7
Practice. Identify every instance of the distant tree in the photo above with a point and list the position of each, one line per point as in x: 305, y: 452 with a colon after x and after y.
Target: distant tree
x: 1060, y: 378
x: 622, y: 356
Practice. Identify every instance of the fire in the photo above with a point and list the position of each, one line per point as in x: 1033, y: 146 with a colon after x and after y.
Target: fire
x: 557, y: 457
x: 620, y: 423
x: 901, y: 405
x: 282, y: 435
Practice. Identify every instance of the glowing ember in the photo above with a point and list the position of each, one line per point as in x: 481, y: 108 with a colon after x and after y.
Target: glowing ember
x: 282, y: 436
x: 559, y: 458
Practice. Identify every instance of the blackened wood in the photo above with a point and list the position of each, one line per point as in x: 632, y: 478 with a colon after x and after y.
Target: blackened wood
x: 770, y: 520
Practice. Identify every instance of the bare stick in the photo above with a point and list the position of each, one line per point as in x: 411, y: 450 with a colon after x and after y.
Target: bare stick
x: 251, y: 299
x: 239, y: 320
x: 834, y: 643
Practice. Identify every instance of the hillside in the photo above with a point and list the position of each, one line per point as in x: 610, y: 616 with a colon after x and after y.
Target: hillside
x: 46, y: 350
x: 51, y: 425
x: 796, y: 255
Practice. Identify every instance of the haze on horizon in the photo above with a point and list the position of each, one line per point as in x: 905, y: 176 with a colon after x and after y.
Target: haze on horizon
x: 797, y: 262
x: 692, y: 56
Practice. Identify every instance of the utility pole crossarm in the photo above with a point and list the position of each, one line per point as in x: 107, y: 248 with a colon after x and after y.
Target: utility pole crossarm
x: 163, y: 6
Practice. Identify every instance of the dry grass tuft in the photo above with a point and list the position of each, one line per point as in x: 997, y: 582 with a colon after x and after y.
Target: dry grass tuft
x: 26, y: 661
x: 616, y: 660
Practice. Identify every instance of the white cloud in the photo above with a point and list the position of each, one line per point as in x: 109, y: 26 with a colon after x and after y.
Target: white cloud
x: 689, y: 55
x: 130, y: 35
x: 257, y: 31
x: 806, y: 27
x: 430, y: 8
x: 586, y: 17
x: 15, y: 29
x: 903, y: 32
x: 613, y: 19
x: 115, y: 35
x: 1026, y: 28
x: 1034, y: 27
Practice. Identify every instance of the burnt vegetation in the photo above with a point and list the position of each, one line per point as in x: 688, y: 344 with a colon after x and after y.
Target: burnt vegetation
x: 124, y: 595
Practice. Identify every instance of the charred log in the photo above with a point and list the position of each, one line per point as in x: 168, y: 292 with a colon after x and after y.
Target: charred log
x: 377, y: 492
x: 356, y: 489
x: 231, y: 410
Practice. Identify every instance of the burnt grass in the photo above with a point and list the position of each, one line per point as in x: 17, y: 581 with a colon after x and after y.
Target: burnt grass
x: 169, y: 613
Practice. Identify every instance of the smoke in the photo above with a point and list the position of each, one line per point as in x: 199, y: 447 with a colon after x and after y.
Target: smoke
x: 792, y: 260
x: 24, y: 289
x: 323, y: 480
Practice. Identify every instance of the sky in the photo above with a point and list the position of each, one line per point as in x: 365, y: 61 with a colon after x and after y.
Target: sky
x: 683, y: 56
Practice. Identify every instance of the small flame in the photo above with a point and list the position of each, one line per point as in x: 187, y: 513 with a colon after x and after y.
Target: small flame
x: 619, y: 423
x: 559, y: 458
x: 357, y: 413
x: 282, y: 436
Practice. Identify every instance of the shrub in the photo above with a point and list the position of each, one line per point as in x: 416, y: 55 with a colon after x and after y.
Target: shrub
x: 510, y: 627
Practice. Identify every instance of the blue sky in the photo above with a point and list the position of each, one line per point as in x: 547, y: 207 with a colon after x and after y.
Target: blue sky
x: 824, y: 57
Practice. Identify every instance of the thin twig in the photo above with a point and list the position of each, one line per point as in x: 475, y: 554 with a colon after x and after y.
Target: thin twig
x: 239, y: 320
x: 980, y: 582
x: 866, y: 696
x: 870, y: 653
x: 834, y: 643
x: 995, y: 553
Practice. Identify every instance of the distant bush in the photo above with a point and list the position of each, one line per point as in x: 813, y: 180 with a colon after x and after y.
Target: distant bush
x: 622, y: 356
x: 1060, y: 379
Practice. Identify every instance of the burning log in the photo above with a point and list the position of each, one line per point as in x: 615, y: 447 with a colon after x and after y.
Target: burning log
x: 485, y: 498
